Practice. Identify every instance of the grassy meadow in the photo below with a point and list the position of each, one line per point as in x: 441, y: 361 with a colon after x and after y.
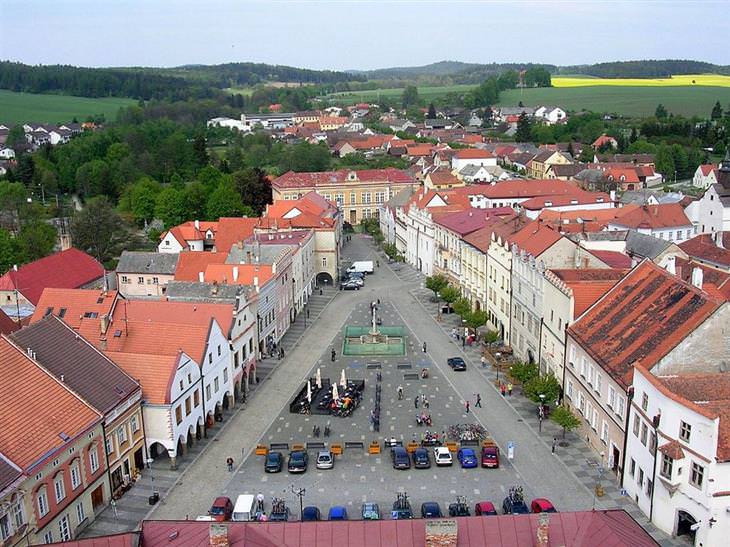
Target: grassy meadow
x: 31, y: 107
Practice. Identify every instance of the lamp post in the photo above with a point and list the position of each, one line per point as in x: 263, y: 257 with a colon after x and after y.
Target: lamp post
x: 299, y: 492
x: 541, y: 412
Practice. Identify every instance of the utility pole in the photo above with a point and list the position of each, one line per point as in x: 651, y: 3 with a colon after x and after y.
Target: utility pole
x: 299, y: 492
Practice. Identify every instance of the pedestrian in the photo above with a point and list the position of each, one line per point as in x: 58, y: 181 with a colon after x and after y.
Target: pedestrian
x: 479, y: 401
x: 260, y: 502
x: 467, y: 407
x: 423, y: 398
x: 453, y: 333
x: 426, y: 404
x: 378, y: 301
x: 415, y: 402
x: 424, y: 347
x: 400, y: 392
x: 377, y: 263
x: 502, y: 389
x: 229, y: 464
x: 307, y: 313
x: 483, y: 361
x: 555, y: 441
x: 333, y: 354
x: 463, y: 341
x: 509, y: 389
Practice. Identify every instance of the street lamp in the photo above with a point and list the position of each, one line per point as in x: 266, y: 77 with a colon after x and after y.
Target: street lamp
x: 299, y: 492
x: 541, y: 411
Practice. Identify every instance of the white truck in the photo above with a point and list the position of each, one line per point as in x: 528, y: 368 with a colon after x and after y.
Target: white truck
x: 361, y: 266
x: 244, y: 510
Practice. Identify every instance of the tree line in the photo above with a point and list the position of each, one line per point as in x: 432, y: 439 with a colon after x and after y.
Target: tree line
x: 649, y: 68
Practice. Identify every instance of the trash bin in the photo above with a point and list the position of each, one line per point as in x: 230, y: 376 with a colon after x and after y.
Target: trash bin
x: 154, y: 498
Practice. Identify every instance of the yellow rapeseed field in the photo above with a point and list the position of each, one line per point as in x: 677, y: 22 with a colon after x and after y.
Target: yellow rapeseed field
x: 715, y: 80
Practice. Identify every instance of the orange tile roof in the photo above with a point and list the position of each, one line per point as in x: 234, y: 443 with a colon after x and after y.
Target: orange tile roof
x: 223, y: 273
x: 528, y: 188
x: 600, y: 216
x: 714, y: 280
x: 473, y: 154
x: 588, y: 285
x: 389, y: 175
x: 37, y: 409
x: 535, y: 238
x: 76, y: 302
x: 232, y: 230
x: 440, y: 178
x: 703, y: 247
x: 420, y: 150
x: 643, y: 317
x: 666, y: 215
x: 482, y: 238
x: 154, y: 373
x: 191, y: 263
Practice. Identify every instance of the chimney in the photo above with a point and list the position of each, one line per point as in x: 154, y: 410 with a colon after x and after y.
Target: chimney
x: 104, y: 323
x: 62, y: 378
x: 201, y: 277
x: 718, y: 239
x: 612, y: 194
x: 670, y: 265
x: 218, y: 535
x: 256, y: 282
x: 248, y: 257
x: 235, y: 273
x: 697, y: 275
x: 197, y: 225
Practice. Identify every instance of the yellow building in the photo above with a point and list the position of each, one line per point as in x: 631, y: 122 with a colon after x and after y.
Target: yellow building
x: 358, y: 194
x: 538, y: 166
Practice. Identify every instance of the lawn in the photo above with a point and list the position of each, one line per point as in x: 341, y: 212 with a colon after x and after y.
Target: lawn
x: 426, y: 92
x: 624, y: 100
x: 30, y: 107
x: 697, y: 80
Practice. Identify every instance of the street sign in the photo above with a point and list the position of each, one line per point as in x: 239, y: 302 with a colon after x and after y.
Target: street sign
x: 510, y: 450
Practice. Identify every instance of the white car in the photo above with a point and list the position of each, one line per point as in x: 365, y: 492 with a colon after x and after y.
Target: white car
x: 325, y: 460
x: 442, y: 456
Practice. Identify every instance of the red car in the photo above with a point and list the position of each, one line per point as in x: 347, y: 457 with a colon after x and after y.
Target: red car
x: 484, y: 509
x: 542, y: 505
x: 221, y: 509
x: 490, y: 456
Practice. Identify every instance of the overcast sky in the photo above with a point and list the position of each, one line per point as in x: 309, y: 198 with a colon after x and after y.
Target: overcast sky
x: 354, y: 34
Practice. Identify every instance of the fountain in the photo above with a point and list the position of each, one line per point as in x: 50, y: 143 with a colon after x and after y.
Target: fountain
x: 375, y: 340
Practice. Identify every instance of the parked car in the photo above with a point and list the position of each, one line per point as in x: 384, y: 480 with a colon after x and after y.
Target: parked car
x: 490, y: 456
x: 430, y: 510
x: 456, y: 363
x: 356, y: 280
x: 421, y: 459
x: 542, y: 505
x: 222, y: 509
x: 298, y: 461
x: 370, y: 511
x: 514, y: 507
x: 467, y: 458
x: 273, y: 463
x: 442, y: 456
x: 349, y: 286
x: 485, y: 508
x: 311, y: 513
x: 325, y: 460
x: 337, y: 512
x: 400, y: 458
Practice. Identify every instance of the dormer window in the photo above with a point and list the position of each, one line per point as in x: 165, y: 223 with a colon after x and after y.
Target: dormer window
x: 352, y: 176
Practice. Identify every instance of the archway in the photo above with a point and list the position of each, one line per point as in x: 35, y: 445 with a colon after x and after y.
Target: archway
x: 158, y: 450
x: 199, y: 429
x: 191, y: 437
x: 226, y: 400
x: 530, y: 357
x: 477, y: 305
x: 324, y: 278
x: 685, y: 521
x: 180, y: 447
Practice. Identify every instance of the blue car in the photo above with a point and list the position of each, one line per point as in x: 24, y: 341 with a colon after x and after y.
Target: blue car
x: 467, y: 458
x: 337, y: 512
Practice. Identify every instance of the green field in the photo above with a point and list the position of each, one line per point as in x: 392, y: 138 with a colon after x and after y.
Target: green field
x: 30, y: 107
x: 624, y: 100
x: 428, y: 93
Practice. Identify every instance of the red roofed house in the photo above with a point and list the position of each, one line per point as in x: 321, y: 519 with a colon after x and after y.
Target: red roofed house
x: 705, y: 176
x: 712, y: 249
x: 665, y: 221
x: 21, y: 288
x: 579, y: 200
x: 196, y: 235
x: 604, y: 140
x: 678, y: 453
x: 650, y: 317
x: 472, y: 156
x: 53, y: 478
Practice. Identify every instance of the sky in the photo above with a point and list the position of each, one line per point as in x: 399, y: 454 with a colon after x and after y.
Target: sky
x: 360, y: 34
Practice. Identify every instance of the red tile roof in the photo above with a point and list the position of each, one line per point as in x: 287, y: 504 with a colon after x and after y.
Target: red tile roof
x: 77, y: 303
x: 191, y: 263
x: 714, y: 280
x: 525, y: 188
x: 232, y: 230
x: 642, y: 318
x: 28, y: 436
x: 443, y: 178
x: 706, y: 169
x: 471, y: 220
x: 535, y: 238
x: 613, y: 259
x: 578, y: 197
x: 591, y: 220
x: 588, y: 285
x: 473, y: 154
x: 666, y: 215
x: 702, y: 247
x: 325, y: 178
x: 7, y: 325
x: 69, y: 269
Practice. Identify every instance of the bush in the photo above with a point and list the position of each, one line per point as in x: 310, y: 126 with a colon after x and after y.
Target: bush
x: 491, y: 337
x: 523, y: 372
x: 546, y: 385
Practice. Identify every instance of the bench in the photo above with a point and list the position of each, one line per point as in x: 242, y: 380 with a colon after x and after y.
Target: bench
x: 411, y: 376
x: 279, y: 446
x: 316, y: 445
x: 354, y: 444
x: 473, y: 442
x: 404, y: 365
x: 374, y: 365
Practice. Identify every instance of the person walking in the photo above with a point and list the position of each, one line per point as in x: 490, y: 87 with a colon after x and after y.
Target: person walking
x: 423, y: 398
x: 333, y: 354
x: 426, y: 404
x: 307, y: 313
x: 400, y: 392
x: 424, y: 347
x: 229, y: 464
x: 509, y: 389
x: 479, y: 401
x: 483, y: 360
x: 502, y: 389
x: 260, y: 502
x: 467, y: 407
x: 453, y: 333
x: 555, y: 441
x: 415, y: 402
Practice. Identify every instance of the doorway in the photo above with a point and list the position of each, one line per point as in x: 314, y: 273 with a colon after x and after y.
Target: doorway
x: 615, y: 458
x: 97, y: 498
x: 685, y: 522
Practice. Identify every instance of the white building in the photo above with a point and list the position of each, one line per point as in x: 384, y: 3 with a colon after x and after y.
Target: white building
x: 666, y: 221
x: 705, y: 176
x: 678, y: 456
x: 472, y: 156
x: 230, y: 123
x: 550, y: 114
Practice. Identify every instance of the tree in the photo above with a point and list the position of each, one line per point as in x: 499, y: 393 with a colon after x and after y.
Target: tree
x: 200, y: 151
x: 475, y: 319
x: 524, y: 372
x: 254, y: 187
x: 546, y: 385
x: 7, y: 251
x: 449, y: 294
x: 716, y: 111
x: 16, y: 135
x: 98, y: 230
x: 565, y: 418
x: 586, y: 154
x: 410, y: 96
x: 25, y: 169
x: 664, y: 161
x: 35, y: 240
x: 225, y: 202
x: 171, y: 207
x: 431, y: 111
x: 462, y: 306
x: 661, y: 112
x: 143, y: 198
x: 524, y: 129
x: 436, y: 283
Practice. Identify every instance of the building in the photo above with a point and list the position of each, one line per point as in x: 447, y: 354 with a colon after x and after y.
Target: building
x: 145, y: 274
x: 537, y: 167
x: 579, y: 200
x: 21, y: 288
x: 472, y: 156
x: 196, y: 235
x: 678, y: 453
x: 664, y: 221
x: 551, y: 114
x: 650, y: 317
x: 713, y: 250
x: 705, y: 176
x: 392, y: 217
x: 358, y: 194
x: 441, y: 179
x: 101, y: 384
x: 52, y: 457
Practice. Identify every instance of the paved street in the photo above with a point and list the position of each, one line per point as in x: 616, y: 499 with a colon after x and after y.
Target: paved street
x: 567, y: 477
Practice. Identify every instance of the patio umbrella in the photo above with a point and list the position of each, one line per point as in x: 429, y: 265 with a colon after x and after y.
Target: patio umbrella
x: 319, y: 379
x: 335, y: 393
x: 343, y: 379
x: 309, y: 391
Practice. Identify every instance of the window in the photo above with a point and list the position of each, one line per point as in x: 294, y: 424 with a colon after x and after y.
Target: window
x: 140, y: 280
x: 366, y: 197
x: 196, y: 398
x: 644, y: 401
x: 207, y: 392
x: 64, y: 529
x: 80, y: 515
x: 109, y: 445
x: 632, y: 467
x: 324, y: 261
x: 589, y: 379
x: 667, y: 464
x: 685, y: 430
x: 649, y: 487
x: 4, y: 527
x: 604, y: 432
x: 652, y: 443
x: 594, y: 420
x: 637, y: 422
x: 93, y: 459
x: 187, y: 406
x: 134, y: 423
x: 583, y: 367
x: 225, y: 375
x: 640, y: 477
x: 572, y: 354
x: 697, y: 475
x: 611, y: 397
x: 75, y: 476
x: 620, y: 409
x: 181, y: 385
x: 122, y: 435
x: 210, y: 358
x: 597, y: 382
x: 125, y: 279
x: 570, y: 390
x: 352, y: 198
x: 219, y: 350
x: 215, y: 384
x: 644, y: 431
x: 48, y: 537
x: 178, y: 415
x: 42, y: 503
x: 18, y: 514
x: 155, y: 280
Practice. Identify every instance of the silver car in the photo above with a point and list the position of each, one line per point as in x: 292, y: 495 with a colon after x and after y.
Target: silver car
x: 325, y: 460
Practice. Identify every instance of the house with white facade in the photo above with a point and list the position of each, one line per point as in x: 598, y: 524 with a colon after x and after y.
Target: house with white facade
x: 711, y: 213
x: 705, y: 176
x: 678, y: 453
x: 472, y: 156
x: 392, y: 218
x: 666, y: 221
x: 651, y: 317
x: 550, y: 114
